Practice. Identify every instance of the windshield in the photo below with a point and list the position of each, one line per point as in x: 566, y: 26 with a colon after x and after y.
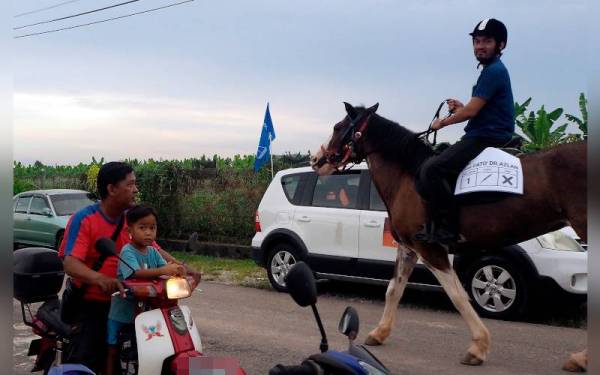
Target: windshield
x: 68, y: 204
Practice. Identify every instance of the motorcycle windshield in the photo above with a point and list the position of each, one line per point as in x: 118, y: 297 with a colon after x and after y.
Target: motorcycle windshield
x: 364, y: 355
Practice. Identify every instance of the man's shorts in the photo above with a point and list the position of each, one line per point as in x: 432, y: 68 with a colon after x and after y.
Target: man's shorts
x: 112, y: 330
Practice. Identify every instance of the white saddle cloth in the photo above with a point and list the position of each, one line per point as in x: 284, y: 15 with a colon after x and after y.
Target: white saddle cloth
x: 492, y: 170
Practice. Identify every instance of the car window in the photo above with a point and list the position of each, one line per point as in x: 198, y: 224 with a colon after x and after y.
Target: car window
x: 68, y: 204
x: 338, y: 191
x: 37, y: 206
x: 375, y: 201
x: 290, y: 185
x: 22, y: 204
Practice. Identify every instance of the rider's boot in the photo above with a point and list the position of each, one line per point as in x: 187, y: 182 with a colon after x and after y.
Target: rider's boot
x: 440, y: 228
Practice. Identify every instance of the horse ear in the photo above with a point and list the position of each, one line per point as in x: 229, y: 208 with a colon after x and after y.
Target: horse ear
x: 373, y: 109
x: 350, y: 110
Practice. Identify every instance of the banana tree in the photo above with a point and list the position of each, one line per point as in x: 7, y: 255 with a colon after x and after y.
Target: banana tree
x: 537, y: 127
x: 582, y: 122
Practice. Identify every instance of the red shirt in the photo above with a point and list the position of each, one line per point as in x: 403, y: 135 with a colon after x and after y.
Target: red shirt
x: 84, y: 228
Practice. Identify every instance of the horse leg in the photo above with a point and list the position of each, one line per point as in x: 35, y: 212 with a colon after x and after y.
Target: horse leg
x: 405, y: 262
x: 480, y: 336
x: 577, y: 362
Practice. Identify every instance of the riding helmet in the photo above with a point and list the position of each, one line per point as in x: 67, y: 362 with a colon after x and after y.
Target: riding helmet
x: 493, y: 28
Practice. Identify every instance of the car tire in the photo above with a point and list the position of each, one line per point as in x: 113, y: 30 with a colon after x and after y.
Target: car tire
x: 281, y: 258
x: 59, y: 238
x: 497, y: 288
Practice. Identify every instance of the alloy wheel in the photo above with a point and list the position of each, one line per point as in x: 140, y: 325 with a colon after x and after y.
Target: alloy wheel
x: 494, y: 288
x: 281, y: 264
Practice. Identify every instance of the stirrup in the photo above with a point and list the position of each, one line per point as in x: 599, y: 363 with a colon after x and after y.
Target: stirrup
x: 435, y: 233
x: 425, y: 234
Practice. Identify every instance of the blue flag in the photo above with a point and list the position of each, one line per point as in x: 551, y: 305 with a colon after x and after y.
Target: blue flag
x: 267, y: 135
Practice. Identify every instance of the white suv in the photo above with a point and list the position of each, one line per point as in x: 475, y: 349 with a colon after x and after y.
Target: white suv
x: 337, y: 224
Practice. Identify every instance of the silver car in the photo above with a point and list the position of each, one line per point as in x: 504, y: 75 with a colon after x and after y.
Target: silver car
x: 40, y: 216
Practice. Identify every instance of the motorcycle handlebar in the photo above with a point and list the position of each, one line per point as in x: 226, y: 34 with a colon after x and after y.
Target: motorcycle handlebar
x: 304, y: 369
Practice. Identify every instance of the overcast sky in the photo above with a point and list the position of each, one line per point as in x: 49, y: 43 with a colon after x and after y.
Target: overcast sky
x: 195, y: 79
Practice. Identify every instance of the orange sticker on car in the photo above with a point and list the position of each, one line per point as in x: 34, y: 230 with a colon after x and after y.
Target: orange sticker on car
x: 388, y: 239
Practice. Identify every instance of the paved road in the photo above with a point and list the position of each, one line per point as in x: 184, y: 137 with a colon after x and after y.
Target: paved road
x: 262, y: 328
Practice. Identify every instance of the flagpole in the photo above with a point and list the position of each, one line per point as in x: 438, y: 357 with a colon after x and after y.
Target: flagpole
x: 271, y: 155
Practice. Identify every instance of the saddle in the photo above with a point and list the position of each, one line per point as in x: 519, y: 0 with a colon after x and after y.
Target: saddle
x: 49, y: 314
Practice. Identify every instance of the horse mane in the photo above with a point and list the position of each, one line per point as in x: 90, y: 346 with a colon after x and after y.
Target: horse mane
x: 397, y: 144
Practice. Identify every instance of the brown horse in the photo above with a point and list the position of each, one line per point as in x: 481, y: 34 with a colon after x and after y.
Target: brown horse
x: 555, y: 194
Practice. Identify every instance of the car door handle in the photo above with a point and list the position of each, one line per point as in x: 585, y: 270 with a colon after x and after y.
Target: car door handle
x: 372, y: 224
x: 304, y: 219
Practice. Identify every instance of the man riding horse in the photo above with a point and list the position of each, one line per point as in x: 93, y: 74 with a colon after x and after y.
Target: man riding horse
x: 554, y: 188
x: 491, y: 124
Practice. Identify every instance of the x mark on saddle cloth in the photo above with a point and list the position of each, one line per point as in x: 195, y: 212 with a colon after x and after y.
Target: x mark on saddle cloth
x: 507, y: 180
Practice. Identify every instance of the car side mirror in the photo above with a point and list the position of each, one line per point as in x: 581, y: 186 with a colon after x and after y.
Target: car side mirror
x: 349, y: 323
x: 47, y: 212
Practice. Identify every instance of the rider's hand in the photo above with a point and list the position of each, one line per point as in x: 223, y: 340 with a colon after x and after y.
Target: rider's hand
x: 173, y: 269
x: 109, y: 285
x: 454, y: 104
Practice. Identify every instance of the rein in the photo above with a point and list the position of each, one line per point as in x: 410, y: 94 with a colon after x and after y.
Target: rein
x: 353, y: 132
x: 425, y: 135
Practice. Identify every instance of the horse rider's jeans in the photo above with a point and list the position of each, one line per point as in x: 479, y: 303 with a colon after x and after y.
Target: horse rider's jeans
x: 437, y: 176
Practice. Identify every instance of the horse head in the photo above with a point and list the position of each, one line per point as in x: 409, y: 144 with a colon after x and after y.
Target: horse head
x: 343, y: 146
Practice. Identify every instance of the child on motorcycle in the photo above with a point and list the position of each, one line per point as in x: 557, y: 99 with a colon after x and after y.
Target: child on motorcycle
x: 147, y: 263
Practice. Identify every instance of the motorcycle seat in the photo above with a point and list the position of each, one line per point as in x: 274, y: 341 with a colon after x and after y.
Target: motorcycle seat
x: 49, y: 314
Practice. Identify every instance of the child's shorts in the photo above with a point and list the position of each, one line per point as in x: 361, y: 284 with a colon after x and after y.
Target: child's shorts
x: 113, y: 329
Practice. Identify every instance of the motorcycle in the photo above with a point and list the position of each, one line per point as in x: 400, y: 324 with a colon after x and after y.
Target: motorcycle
x: 37, y: 278
x: 357, y: 360
x: 165, y: 340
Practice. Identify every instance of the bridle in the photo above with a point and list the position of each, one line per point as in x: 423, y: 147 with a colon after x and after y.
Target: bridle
x: 346, y: 153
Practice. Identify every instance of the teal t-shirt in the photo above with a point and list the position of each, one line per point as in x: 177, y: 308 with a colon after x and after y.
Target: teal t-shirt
x: 123, y: 309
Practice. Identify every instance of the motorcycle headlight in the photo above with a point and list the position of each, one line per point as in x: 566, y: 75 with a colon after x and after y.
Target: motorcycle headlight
x: 557, y: 240
x: 178, y: 287
x: 370, y: 369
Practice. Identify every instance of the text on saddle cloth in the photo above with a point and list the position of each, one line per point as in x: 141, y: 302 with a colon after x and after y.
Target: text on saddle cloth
x: 492, y: 170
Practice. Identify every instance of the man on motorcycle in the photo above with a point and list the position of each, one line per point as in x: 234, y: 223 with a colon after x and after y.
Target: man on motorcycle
x: 117, y: 191
x: 491, y: 124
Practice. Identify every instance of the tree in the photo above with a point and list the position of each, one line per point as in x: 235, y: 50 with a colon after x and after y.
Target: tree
x: 537, y: 127
x: 582, y: 123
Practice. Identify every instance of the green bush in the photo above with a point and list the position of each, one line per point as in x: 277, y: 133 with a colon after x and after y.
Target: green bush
x: 20, y: 185
x: 216, y: 197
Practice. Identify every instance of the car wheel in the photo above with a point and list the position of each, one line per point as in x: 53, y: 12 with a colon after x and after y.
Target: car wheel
x: 497, y: 288
x: 281, y: 258
x: 59, y: 239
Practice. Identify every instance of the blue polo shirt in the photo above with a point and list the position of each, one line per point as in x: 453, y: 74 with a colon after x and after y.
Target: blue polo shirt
x: 496, y: 120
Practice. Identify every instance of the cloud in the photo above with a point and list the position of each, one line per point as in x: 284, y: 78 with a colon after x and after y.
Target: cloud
x: 63, y: 128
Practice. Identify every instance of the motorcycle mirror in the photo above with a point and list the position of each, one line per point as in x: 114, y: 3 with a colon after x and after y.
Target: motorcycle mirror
x: 106, y: 246
x: 349, y: 323
x: 301, y: 284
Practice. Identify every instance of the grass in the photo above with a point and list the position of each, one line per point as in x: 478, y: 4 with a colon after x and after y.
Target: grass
x: 225, y: 270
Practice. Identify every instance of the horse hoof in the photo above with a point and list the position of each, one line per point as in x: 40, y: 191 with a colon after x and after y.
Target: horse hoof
x: 572, y: 366
x: 471, y: 360
x: 371, y: 341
